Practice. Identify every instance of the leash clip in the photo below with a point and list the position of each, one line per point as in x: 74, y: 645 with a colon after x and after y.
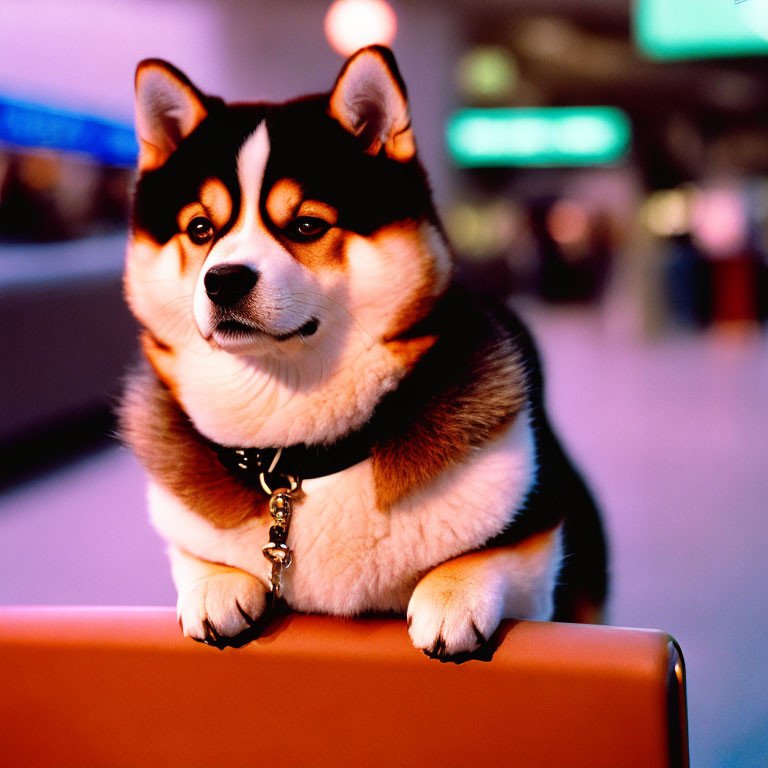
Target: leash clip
x: 282, y: 495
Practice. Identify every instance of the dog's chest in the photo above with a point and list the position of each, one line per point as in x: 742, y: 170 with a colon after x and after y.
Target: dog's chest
x: 349, y: 556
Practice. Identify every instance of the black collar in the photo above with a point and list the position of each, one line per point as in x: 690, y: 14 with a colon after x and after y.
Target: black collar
x: 298, y: 461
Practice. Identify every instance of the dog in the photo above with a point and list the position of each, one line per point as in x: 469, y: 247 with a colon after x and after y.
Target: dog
x: 304, y: 328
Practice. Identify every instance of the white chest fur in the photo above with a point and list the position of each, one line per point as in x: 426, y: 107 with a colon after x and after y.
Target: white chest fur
x: 350, y: 557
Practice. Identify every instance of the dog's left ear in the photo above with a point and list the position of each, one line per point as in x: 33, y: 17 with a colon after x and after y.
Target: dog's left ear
x: 370, y: 101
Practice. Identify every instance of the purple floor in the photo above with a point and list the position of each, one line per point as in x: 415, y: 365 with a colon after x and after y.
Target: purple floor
x: 672, y: 436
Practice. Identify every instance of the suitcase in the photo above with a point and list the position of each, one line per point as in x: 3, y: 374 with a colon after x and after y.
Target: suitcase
x: 120, y: 687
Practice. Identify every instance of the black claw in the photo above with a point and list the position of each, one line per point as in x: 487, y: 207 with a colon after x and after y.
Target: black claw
x: 212, y: 637
x: 249, y: 620
x: 438, y: 649
x: 481, y: 638
x: 484, y: 652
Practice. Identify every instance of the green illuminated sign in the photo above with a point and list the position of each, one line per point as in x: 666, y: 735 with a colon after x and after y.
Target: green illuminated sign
x: 546, y: 136
x: 682, y: 29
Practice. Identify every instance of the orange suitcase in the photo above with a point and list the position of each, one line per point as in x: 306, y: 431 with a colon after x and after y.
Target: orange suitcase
x: 120, y: 687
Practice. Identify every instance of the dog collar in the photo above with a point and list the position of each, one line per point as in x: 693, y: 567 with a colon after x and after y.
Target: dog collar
x: 251, y: 465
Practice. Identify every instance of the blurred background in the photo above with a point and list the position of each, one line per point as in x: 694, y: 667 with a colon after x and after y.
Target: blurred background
x: 600, y: 164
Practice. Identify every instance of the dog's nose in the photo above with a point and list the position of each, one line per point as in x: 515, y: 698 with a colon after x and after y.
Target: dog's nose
x: 226, y: 284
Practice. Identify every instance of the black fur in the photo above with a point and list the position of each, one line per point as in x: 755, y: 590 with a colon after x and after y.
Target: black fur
x: 560, y: 491
x: 306, y: 144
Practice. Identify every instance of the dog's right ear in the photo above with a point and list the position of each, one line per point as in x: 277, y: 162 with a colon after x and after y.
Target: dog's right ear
x: 369, y: 100
x: 168, y: 109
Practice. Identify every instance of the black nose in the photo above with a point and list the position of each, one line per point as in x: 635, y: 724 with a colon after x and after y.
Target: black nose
x: 228, y: 283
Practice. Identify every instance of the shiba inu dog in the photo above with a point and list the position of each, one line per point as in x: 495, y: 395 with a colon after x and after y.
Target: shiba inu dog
x: 301, y: 319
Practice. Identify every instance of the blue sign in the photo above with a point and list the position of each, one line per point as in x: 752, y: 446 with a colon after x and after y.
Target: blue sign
x: 23, y: 124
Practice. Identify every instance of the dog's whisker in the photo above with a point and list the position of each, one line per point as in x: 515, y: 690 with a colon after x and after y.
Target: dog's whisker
x: 337, y: 304
x: 171, y: 304
x: 319, y: 358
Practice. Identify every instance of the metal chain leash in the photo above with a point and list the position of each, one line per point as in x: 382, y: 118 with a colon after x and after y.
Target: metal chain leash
x: 277, y: 551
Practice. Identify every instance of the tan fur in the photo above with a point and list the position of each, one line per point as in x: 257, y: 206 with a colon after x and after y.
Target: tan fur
x: 179, y: 458
x: 186, y: 249
x: 327, y: 253
x: 440, y: 437
x: 428, y: 282
x: 217, y: 201
x: 410, y: 350
x: 161, y: 357
x: 319, y: 210
x: 283, y: 201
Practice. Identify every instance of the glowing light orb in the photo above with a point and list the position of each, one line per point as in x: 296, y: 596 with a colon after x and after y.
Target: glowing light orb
x: 667, y: 212
x: 568, y: 222
x: 487, y: 71
x: 720, y: 224
x: 353, y: 24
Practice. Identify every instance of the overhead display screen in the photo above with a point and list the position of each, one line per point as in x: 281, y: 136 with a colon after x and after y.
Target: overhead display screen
x: 542, y: 136
x: 697, y: 29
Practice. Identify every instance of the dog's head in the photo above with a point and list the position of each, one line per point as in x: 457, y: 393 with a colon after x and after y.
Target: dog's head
x: 280, y: 231
x: 260, y: 223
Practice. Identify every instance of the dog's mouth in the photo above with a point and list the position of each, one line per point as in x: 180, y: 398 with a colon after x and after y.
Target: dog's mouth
x: 234, y: 331
x: 309, y: 328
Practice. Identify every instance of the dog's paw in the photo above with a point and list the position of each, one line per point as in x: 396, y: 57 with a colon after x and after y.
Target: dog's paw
x: 222, y: 608
x: 449, y: 617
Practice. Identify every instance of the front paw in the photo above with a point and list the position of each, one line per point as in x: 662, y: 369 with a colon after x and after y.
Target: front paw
x: 222, y: 609
x: 448, y: 617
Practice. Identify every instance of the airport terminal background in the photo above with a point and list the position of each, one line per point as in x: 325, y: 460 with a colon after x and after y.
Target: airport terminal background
x: 606, y: 177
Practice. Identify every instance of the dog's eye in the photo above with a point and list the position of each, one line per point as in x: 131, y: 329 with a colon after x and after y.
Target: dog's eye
x: 200, y: 230
x: 307, y: 228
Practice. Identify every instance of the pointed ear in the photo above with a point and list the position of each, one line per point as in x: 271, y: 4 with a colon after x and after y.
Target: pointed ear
x: 168, y: 109
x: 370, y: 101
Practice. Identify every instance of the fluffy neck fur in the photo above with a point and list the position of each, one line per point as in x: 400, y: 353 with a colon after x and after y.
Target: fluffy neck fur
x: 287, y: 399
x: 461, y: 380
